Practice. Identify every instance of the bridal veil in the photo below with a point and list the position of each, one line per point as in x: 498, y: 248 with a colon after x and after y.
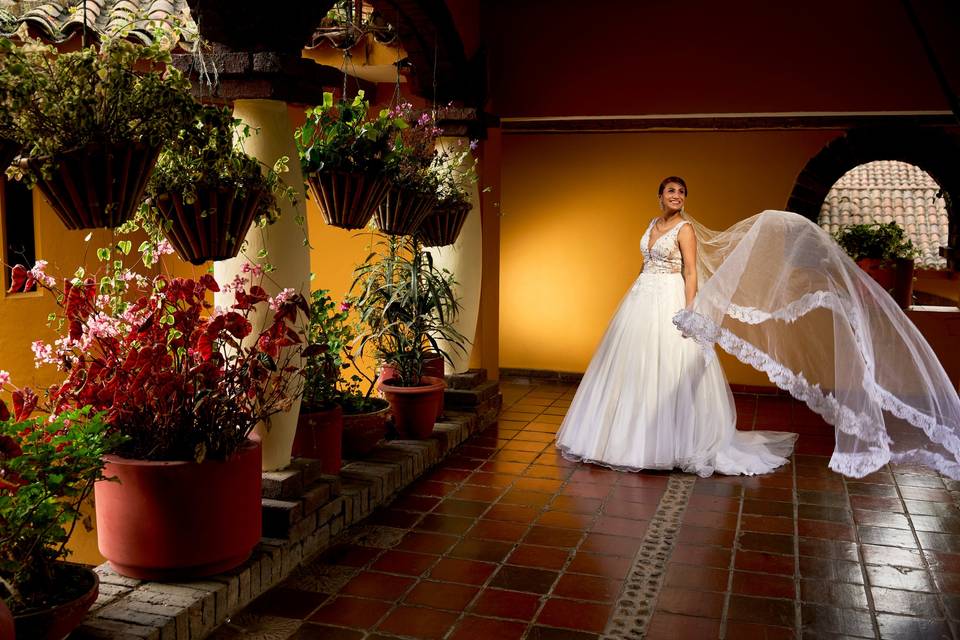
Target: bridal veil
x: 779, y: 294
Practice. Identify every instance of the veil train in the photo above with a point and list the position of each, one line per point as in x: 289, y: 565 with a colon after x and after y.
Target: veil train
x: 779, y: 294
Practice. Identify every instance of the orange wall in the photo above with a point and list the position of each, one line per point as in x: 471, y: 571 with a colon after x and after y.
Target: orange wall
x: 573, y: 210
x: 566, y: 58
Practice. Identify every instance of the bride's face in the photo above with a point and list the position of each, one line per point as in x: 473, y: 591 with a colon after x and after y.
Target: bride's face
x: 673, y: 197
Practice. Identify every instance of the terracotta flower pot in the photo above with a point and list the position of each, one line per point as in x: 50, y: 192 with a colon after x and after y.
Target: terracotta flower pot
x: 347, y: 200
x: 402, y: 211
x: 362, y: 431
x: 903, y: 282
x: 99, y: 185
x: 179, y: 520
x: 442, y: 226
x: 58, y: 621
x: 433, y: 366
x: 879, y: 270
x: 320, y: 436
x: 414, y: 409
x: 213, y: 227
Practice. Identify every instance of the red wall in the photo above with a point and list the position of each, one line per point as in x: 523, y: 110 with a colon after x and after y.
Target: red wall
x: 563, y: 58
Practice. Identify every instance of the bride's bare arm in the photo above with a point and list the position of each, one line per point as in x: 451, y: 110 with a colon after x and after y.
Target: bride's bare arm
x: 688, y: 251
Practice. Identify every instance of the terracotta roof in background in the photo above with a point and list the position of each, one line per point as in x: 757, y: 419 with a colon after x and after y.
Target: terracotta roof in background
x: 886, y: 191
x: 59, y: 20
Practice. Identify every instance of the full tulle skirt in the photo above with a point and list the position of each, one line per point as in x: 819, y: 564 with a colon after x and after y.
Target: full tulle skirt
x: 652, y: 399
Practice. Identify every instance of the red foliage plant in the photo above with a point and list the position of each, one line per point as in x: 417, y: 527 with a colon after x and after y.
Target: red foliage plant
x: 181, y: 380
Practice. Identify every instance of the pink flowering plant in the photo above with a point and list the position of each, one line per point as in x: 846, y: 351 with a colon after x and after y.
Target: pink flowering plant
x: 413, y: 150
x: 47, y: 470
x: 180, y: 379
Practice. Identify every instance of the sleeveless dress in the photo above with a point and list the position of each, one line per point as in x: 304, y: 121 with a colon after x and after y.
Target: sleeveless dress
x: 652, y: 399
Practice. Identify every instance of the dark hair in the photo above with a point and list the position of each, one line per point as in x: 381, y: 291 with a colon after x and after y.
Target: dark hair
x: 680, y: 181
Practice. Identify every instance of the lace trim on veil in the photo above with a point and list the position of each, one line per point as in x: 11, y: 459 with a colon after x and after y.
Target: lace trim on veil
x: 828, y: 300
x: 705, y: 331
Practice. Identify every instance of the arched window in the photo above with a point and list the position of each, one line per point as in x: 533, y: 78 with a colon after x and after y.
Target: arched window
x: 891, y: 191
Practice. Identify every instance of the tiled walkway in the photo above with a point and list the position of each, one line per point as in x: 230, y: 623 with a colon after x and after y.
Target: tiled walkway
x: 507, y: 540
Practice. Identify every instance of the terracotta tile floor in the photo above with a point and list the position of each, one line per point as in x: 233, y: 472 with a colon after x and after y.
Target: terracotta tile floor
x: 506, y: 540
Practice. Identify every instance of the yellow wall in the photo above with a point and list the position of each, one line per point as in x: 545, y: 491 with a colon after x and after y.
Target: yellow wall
x: 575, y: 205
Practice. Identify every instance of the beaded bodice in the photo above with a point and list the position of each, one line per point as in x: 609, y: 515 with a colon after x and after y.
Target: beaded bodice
x: 664, y: 256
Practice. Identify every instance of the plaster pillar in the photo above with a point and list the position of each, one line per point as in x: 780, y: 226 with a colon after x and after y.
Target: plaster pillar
x: 464, y: 259
x: 272, y: 137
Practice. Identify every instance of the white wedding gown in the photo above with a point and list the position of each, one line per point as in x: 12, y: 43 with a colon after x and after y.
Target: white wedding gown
x: 652, y: 399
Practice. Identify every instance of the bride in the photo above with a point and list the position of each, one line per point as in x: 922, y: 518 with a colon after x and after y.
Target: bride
x: 650, y: 398
x: 775, y: 291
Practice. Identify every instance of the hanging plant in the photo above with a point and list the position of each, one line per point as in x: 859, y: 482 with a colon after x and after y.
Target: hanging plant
x: 413, y: 186
x: 455, y: 172
x: 343, y: 154
x: 92, y: 123
x: 205, y: 191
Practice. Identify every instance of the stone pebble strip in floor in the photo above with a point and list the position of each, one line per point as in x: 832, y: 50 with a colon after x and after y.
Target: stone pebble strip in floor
x: 507, y: 540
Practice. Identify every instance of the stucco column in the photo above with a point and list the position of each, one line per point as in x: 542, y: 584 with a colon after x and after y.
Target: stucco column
x: 283, y: 241
x: 464, y: 259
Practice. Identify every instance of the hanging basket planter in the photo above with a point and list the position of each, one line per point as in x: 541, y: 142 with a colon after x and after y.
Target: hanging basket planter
x: 98, y: 185
x: 212, y: 227
x: 347, y: 200
x: 442, y: 227
x: 402, y: 211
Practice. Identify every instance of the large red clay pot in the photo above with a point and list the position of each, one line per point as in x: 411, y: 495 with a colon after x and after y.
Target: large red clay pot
x: 879, y: 270
x: 362, y: 431
x: 432, y: 367
x: 320, y: 436
x: 58, y: 621
x: 179, y: 520
x: 414, y: 409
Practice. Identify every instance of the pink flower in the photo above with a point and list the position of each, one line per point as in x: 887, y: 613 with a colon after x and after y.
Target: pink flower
x: 164, y: 248
x: 424, y: 119
x: 102, y: 326
x: 281, y: 298
x: 42, y: 353
x: 344, y: 306
x: 38, y: 274
x: 255, y: 270
x: 4, y: 377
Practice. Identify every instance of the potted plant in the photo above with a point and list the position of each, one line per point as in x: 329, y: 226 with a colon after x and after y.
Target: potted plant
x: 92, y: 123
x: 404, y: 306
x: 364, y: 417
x: 343, y: 154
x: 320, y: 426
x: 186, y: 387
x: 413, y: 186
x: 885, y: 252
x: 48, y: 467
x: 205, y: 192
x: 455, y: 173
